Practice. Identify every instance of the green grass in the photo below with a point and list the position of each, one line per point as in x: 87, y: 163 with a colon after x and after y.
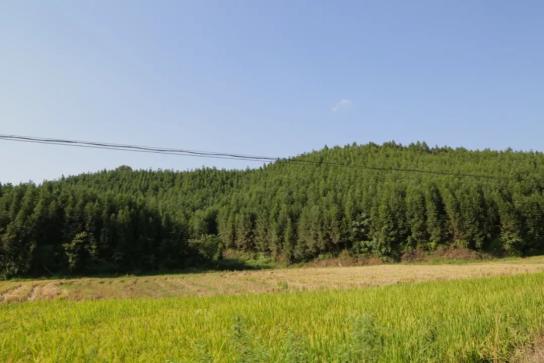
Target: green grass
x: 455, y: 321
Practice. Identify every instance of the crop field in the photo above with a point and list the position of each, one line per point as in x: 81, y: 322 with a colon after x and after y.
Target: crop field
x: 484, y: 319
x: 260, y: 281
x: 484, y: 312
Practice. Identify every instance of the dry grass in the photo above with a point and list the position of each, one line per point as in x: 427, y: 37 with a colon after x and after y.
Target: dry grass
x: 243, y: 282
x: 530, y: 353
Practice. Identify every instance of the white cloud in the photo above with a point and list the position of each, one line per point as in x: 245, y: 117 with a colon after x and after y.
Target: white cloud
x: 343, y: 104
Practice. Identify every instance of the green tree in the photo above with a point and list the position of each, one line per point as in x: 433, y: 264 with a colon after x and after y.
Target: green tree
x: 79, y: 252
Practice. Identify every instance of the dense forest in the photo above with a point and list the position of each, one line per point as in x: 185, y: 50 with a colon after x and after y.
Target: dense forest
x: 324, y: 202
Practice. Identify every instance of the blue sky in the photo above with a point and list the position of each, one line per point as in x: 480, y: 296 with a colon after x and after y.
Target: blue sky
x: 272, y: 78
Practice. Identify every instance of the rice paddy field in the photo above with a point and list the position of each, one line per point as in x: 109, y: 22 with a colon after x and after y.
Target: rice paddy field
x: 258, y: 281
x: 490, y: 314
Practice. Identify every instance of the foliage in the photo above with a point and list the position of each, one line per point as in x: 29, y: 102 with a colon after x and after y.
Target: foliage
x: 208, y: 246
x: 291, y: 211
x: 81, y: 249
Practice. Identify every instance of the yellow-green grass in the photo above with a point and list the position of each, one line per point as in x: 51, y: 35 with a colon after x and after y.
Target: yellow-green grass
x: 243, y: 282
x: 485, y: 319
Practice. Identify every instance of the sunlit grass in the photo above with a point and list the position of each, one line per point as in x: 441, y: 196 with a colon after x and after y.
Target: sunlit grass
x: 455, y: 321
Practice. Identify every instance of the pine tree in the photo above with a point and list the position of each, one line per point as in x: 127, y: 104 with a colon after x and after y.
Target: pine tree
x: 417, y: 219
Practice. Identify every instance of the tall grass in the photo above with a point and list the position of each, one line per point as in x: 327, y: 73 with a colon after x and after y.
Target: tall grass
x: 456, y: 321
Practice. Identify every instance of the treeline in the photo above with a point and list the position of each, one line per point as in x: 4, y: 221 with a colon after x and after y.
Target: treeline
x: 130, y: 221
x: 109, y: 222
x: 299, y: 211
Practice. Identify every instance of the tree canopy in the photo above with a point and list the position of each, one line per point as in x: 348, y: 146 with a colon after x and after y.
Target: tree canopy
x: 323, y: 202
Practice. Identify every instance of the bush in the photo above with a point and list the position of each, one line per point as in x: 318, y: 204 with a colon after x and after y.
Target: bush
x: 208, y: 246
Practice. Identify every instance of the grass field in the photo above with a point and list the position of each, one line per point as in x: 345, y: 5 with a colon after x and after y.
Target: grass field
x: 476, y: 319
x: 261, y: 281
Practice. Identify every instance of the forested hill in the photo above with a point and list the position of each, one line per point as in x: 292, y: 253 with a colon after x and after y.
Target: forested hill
x: 324, y: 202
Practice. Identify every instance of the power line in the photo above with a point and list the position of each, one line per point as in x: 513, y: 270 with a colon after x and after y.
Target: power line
x: 224, y: 155
x: 136, y: 148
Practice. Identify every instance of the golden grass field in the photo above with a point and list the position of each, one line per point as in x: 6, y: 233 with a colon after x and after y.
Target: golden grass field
x: 259, y: 281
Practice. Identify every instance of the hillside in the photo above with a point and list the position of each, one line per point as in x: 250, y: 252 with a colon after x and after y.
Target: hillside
x: 324, y: 202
